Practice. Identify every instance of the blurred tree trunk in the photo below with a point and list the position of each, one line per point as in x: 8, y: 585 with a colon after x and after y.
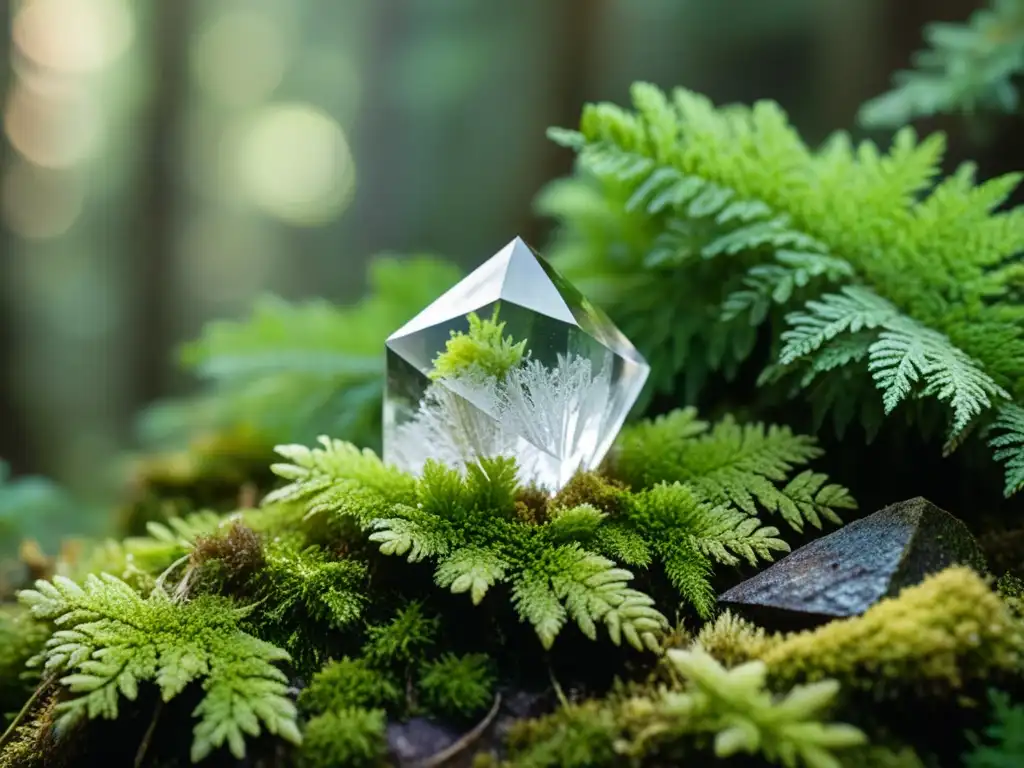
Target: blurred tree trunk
x: 574, y: 33
x: 154, y: 222
x: 378, y: 145
x: 13, y: 441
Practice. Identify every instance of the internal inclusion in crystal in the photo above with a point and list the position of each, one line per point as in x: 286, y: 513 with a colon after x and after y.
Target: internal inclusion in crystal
x: 556, y: 411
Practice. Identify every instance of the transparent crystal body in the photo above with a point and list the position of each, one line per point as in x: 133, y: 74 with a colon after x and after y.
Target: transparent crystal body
x: 555, y: 412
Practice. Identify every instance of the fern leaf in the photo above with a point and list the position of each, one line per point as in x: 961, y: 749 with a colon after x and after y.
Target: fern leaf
x: 849, y: 311
x: 342, y: 479
x: 1010, y: 446
x: 416, y: 537
x: 111, y: 639
x: 538, y: 605
x: 619, y: 542
x: 689, y: 571
x: 723, y: 534
x: 652, y: 450
x: 906, y: 352
x: 594, y: 590
x: 767, y: 284
x: 471, y: 570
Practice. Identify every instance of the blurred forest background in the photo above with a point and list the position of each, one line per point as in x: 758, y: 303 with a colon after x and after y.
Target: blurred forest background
x: 167, y: 162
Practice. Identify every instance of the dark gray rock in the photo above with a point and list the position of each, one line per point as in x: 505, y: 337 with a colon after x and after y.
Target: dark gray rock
x: 417, y: 739
x: 846, y: 572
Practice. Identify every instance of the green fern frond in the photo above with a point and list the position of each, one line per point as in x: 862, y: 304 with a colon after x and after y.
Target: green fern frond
x: 849, y: 311
x: 293, y: 370
x: 768, y: 284
x: 1003, y: 742
x: 906, y: 352
x: 339, y: 478
x: 968, y: 67
x: 111, y: 639
x: 1010, y: 446
x: 465, y: 521
x: 664, y: 188
x: 592, y: 590
x: 472, y: 570
x: 732, y: 464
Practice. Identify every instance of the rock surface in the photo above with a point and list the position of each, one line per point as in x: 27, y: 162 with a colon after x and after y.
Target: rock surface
x: 846, y: 572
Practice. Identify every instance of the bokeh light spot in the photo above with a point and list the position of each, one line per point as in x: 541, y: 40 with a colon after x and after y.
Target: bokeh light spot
x: 39, y: 203
x: 73, y: 36
x: 294, y: 163
x: 240, y: 57
x: 54, y: 127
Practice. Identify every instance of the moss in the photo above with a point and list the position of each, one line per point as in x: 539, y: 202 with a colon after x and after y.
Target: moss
x: 21, y: 638
x: 347, y: 737
x: 937, y: 635
x: 348, y: 683
x: 457, y: 686
x: 28, y: 744
x: 607, y: 494
x: 576, y: 736
x: 733, y: 640
x: 482, y: 348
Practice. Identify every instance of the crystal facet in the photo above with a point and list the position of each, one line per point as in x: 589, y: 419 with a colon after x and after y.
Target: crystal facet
x: 550, y: 385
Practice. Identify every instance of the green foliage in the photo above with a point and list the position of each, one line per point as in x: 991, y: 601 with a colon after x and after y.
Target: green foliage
x: 744, y: 717
x: 695, y: 225
x: 348, y: 683
x: 1003, y: 745
x: 482, y: 348
x: 21, y: 638
x: 467, y: 524
x: 111, y: 640
x: 938, y: 635
x: 403, y: 640
x: 350, y: 736
x: 304, y: 594
x: 581, y: 735
x: 730, y: 464
x: 967, y: 67
x: 1010, y: 445
x: 32, y: 508
x: 733, y: 709
x: 457, y: 685
x: 290, y: 370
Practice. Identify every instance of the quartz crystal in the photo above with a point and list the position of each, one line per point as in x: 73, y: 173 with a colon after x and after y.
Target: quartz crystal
x: 553, y: 395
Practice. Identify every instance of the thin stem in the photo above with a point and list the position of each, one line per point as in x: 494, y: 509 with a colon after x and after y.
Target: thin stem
x: 442, y: 757
x: 26, y: 709
x: 148, y: 737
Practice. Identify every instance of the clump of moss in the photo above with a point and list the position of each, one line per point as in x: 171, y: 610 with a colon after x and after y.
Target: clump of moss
x: 939, y: 634
x: 604, y: 493
x: 733, y: 640
x: 348, y: 683
x: 482, y: 348
x: 457, y: 686
x: 350, y: 737
x: 576, y: 736
x: 21, y: 638
x: 709, y: 708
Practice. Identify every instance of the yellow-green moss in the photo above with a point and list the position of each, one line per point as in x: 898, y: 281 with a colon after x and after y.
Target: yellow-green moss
x: 733, y: 640
x: 482, y: 348
x: 949, y: 629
